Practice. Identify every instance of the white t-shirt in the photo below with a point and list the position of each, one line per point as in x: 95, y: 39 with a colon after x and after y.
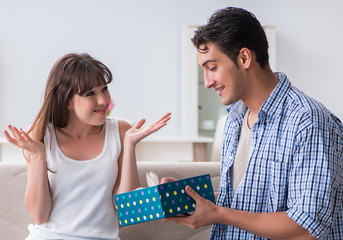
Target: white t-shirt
x: 242, y: 156
x: 82, y: 191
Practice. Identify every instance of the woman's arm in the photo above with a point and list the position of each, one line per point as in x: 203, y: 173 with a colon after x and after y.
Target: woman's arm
x: 37, y: 194
x: 128, y: 174
x: 127, y: 169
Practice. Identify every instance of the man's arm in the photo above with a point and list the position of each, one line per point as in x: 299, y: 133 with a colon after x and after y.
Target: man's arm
x: 276, y: 225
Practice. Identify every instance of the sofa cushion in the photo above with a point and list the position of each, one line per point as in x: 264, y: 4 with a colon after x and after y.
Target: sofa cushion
x: 14, y: 218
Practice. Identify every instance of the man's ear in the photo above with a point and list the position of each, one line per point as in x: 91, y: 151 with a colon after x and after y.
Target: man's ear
x: 245, y: 58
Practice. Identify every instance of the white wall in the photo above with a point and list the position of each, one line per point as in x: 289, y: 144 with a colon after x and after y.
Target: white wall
x: 140, y: 40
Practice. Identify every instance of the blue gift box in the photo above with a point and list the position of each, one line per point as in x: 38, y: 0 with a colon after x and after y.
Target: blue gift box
x: 160, y: 201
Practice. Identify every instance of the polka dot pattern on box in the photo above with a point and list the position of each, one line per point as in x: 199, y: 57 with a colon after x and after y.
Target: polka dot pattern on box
x: 138, y: 206
x: 164, y: 200
x: 177, y: 201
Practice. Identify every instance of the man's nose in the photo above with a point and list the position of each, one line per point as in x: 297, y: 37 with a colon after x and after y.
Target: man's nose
x: 208, y: 82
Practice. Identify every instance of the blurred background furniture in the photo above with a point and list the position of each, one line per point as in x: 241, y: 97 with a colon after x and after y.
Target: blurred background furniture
x: 217, y: 140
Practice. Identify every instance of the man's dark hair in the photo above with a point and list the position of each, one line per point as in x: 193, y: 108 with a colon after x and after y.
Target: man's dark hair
x: 232, y: 29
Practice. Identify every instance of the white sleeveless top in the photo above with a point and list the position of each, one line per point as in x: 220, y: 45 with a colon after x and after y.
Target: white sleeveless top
x: 82, y: 191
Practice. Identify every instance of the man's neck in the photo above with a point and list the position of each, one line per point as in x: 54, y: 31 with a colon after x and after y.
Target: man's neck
x: 262, y: 85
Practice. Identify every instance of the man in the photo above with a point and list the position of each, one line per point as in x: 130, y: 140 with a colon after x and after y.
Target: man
x: 281, y: 167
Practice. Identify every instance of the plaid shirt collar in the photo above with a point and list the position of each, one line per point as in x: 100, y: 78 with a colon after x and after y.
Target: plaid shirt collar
x: 270, y: 108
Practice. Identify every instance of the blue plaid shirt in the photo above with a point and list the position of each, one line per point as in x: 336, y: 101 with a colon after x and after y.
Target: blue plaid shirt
x: 296, y: 164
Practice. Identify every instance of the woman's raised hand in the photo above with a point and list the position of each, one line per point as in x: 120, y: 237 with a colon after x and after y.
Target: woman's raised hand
x: 23, y: 140
x: 136, y: 133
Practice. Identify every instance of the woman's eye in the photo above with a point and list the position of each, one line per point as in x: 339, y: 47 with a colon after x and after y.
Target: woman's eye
x: 91, y: 93
x: 105, y: 89
x: 213, y: 68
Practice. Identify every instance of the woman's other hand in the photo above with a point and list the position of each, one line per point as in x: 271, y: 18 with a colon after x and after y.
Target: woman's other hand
x: 21, y: 139
x: 137, y: 133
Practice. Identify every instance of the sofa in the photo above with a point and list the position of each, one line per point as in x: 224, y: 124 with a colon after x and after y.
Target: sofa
x: 14, y: 218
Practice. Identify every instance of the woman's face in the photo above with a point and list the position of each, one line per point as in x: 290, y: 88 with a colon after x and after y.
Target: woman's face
x: 91, y: 107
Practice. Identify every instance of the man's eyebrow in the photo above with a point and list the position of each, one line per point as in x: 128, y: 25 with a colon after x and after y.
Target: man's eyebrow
x: 206, y: 62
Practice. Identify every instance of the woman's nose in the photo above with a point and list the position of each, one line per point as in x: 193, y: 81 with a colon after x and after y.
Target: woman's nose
x: 103, y: 99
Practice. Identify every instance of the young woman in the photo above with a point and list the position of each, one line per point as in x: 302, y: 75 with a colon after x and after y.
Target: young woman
x: 77, y: 158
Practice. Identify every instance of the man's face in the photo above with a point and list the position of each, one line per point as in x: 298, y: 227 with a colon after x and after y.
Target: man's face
x: 222, y: 74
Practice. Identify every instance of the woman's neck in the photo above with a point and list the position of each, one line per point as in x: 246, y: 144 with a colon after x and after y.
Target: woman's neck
x: 81, y: 130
